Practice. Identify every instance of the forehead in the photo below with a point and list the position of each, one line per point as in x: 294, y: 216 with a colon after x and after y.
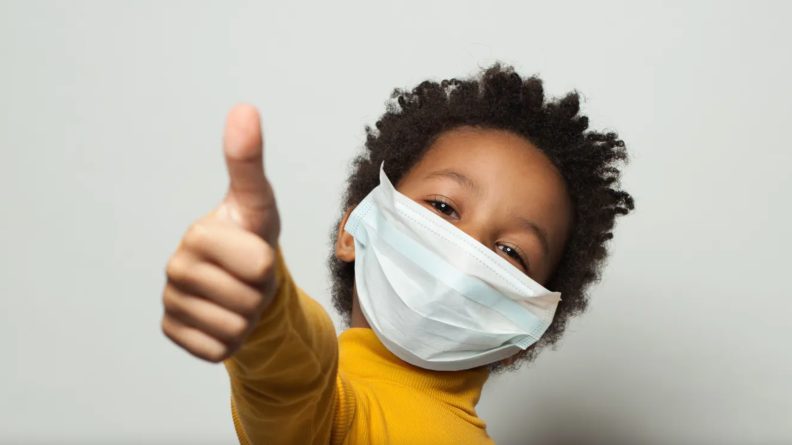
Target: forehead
x: 498, y: 160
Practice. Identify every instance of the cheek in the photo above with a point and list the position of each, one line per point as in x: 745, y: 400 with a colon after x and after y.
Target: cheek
x: 558, y: 247
x: 538, y: 260
x: 559, y: 223
x: 546, y: 261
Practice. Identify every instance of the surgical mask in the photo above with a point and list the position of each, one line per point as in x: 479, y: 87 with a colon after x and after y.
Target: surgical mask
x: 436, y: 297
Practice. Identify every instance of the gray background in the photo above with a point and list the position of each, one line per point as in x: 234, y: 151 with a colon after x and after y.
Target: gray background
x: 111, y: 116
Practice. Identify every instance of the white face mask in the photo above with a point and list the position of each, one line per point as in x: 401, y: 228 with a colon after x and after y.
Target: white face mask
x: 435, y: 296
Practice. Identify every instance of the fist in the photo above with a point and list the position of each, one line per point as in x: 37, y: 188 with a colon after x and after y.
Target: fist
x: 221, y: 276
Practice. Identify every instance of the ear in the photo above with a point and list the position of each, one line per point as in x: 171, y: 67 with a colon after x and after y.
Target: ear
x: 345, y: 246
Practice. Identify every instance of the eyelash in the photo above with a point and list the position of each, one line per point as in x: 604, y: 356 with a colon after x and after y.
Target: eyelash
x: 440, y: 200
x: 519, y: 256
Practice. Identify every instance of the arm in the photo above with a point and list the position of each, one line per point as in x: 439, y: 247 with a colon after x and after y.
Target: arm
x: 229, y: 297
x: 283, y: 379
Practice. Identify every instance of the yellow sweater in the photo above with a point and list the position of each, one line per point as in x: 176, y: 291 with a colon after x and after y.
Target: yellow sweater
x: 294, y: 382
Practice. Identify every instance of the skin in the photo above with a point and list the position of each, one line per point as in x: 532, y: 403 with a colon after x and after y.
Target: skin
x: 498, y: 188
x: 221, y: 277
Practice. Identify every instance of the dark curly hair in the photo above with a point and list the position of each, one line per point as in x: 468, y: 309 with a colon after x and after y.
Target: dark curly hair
x: 498, y: 98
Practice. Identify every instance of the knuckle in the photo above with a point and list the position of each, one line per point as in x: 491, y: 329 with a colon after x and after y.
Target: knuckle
x: 170, y: 302
x: 177, y: 269
x: 263, y: 265
x: 168, y: 330
x: 198, y: 234
x: 165, y: 327
x: 216, y: 355
x: 236, y: 328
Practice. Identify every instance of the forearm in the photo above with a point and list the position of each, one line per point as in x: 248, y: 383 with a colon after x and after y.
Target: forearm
x: 282, y: 379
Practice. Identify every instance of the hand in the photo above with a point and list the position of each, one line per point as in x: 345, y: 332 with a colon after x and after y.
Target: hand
x: 221, y: 277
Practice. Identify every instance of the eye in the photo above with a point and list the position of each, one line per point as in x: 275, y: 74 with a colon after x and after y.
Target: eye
x: 515, y: 254
x: 443, y: 207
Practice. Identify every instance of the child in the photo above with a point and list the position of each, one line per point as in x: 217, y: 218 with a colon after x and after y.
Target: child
x: 472, y: 199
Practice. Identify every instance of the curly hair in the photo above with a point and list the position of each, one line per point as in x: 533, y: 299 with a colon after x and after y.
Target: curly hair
x: 499, y: 98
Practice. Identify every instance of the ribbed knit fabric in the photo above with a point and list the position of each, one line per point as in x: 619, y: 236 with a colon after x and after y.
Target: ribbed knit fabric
x: 294, y: 383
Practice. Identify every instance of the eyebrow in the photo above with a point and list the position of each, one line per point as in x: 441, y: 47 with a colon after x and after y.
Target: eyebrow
x: 459, y: 178
x: 540, y: 232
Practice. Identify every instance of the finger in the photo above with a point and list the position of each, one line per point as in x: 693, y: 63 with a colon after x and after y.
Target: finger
x: 211, y: 282
x: 208, y: 317
x: 244, y: 154
x: 236, y: 251
x: 194, y: 341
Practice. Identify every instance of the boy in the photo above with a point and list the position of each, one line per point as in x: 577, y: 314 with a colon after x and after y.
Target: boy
x: 472, y: 199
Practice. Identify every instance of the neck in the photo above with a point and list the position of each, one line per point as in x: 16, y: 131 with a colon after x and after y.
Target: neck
x: 363, y: 356
x: 358, y: 319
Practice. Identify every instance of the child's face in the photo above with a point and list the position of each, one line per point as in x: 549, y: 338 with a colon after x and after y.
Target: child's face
x: 499, y: 189
x: 496, y: 187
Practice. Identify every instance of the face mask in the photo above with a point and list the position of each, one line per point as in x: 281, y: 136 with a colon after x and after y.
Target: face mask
x: 436, y: 297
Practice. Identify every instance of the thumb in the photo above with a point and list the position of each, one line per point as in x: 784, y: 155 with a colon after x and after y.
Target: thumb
x: 250, y: 200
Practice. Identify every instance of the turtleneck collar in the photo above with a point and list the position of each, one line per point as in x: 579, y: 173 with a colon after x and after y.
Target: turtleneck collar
x: 362, y: 355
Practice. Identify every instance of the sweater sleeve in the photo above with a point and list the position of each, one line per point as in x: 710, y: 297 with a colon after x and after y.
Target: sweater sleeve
x: 284, y: 384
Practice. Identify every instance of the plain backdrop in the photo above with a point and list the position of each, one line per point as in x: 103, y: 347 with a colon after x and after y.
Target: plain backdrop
x: 111, y: 116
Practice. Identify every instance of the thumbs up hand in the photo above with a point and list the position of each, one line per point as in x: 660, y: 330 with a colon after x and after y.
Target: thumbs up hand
x: 221, y: 276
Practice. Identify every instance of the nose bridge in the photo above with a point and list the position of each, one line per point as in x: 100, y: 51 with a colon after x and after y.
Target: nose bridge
x: 478, y: 228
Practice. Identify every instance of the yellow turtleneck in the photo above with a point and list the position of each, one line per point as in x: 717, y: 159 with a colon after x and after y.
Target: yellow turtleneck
x: 294, y: 382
